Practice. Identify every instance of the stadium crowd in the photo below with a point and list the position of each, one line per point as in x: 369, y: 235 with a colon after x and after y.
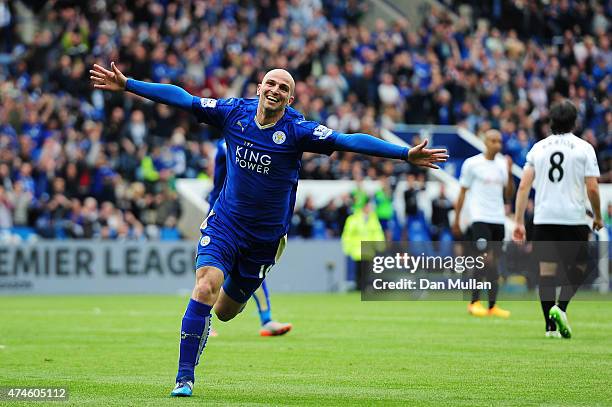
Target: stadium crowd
x: 79, y: 163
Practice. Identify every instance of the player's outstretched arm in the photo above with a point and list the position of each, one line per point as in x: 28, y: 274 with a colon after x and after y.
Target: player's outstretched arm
x: 522, y: 195
x: 370, y: 145
x: 115, y: 81
x: 509, y: 189
x: 592, y: 187
x: 458, y: 208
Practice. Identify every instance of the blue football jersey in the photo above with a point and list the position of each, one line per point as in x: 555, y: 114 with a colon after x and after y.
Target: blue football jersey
x: 263, y: 164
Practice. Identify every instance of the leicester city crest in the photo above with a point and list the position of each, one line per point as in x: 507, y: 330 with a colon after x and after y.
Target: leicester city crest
x: 279, y: 137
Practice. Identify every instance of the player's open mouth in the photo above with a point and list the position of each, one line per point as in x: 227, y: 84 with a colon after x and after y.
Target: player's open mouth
x: 272, y: 99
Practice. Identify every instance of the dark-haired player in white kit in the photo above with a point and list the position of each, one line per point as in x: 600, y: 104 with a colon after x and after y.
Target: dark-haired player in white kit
x: 561, y: 166
x: 488, y: 178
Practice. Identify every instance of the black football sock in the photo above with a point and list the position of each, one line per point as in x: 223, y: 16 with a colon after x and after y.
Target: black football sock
x: 477, y: 276
x: 547, y: 299
x: 493, y: 278
x: 568, y: 290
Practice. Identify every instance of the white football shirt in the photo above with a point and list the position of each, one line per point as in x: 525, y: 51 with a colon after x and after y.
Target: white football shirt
x: 561, y: 161
x: 485, y: 180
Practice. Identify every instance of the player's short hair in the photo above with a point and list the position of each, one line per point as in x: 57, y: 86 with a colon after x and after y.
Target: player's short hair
x: 563, y: 117
x: 491, y: 133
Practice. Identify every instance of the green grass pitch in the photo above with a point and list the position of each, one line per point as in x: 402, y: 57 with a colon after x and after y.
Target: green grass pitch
x: 122, y: 351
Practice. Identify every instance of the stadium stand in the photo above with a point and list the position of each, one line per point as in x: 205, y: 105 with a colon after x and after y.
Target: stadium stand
x: 77, y: 163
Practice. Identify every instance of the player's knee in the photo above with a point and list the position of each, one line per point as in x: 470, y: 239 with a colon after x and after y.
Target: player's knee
x: 206, y: 286
x: 205, y: 289
x: 548, y: 269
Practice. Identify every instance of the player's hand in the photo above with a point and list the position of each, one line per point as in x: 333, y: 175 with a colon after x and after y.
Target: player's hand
x: 423, y: 157
x: 518, y: 235
x: 104, y: 79
x: 597, y: 224
x: 456, y: 229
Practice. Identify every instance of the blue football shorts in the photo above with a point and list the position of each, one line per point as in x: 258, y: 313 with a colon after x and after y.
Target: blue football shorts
x: 243, y: 263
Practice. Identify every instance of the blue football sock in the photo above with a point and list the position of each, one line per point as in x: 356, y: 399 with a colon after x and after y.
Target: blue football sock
x: 262, y: 299
x: 194, y: 333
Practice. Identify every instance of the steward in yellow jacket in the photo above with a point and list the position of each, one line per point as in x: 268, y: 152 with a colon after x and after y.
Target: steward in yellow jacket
x: 363, y: 225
